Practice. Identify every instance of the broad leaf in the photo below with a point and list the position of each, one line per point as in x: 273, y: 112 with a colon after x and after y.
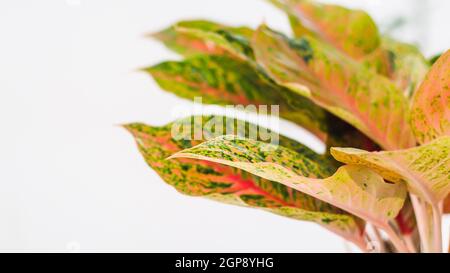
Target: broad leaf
x: 351, y: 31
x: 446, y: 205
x: 368, y: 101
x: 403, y: 63
x: 426, y: 168
x: 200, y: 36
x: 229, y: 185
x: 430, y: 115
x: 355, y: 189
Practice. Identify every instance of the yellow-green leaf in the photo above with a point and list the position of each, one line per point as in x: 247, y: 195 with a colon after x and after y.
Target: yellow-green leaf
x: 206, y: 37
x: 430, y: 115
x: 426, y: 168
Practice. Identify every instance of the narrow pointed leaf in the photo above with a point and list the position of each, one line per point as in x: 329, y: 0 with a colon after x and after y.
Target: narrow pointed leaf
x: 430, y: 115
x: 349, y: 90
x: 426, y: 168
x: 351, y: 31
x: 206, y: 37
x: 355, y: 189
x: 229, y: 185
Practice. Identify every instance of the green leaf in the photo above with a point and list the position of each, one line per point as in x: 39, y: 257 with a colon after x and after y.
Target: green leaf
x: 355, y: 189
x: 368, y: 101
x: 229, y: 185
x: 223, y: 80
x: 430, y: 115
x: 351, y: 31
x: 425, y: 168
x: 205, y: 37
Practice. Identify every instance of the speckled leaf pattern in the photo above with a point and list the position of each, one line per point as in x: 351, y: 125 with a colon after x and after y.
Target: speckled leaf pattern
x: 206, y: 37
x: 230, y: 185
x: 368, y: 101
x: 355, y: 189
x: 403, y: 63
x: 434, y: 58
x: 446, y: 205
x: 225, y: 81
x: 430, y: 115
x: 405, y: 220
x: 426, y: 168
x: 351, y: 31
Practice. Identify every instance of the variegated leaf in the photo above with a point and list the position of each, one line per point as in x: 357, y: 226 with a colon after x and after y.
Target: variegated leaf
x: 426, y: 168
x: 368, y: 101
x: 223, y: 80
x: 434, y: 58
x: 298, y: 28
x: 229, y: 185
x: 351, y: 31
x: 403, y: 63
x: 355, y: 189
x: 430, y: 115
x: 206, y: 37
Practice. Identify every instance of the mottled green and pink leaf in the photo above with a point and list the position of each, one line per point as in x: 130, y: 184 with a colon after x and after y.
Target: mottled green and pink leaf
x: 346, y: 88
x: 206, y: 37
x: 426, y: 168
x: 403, y: 63
x: 430, y: 114
x: 355, y: 189
x: 226, y: 81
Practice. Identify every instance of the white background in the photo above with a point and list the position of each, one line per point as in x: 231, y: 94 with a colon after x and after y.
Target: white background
x: 70, y: 179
